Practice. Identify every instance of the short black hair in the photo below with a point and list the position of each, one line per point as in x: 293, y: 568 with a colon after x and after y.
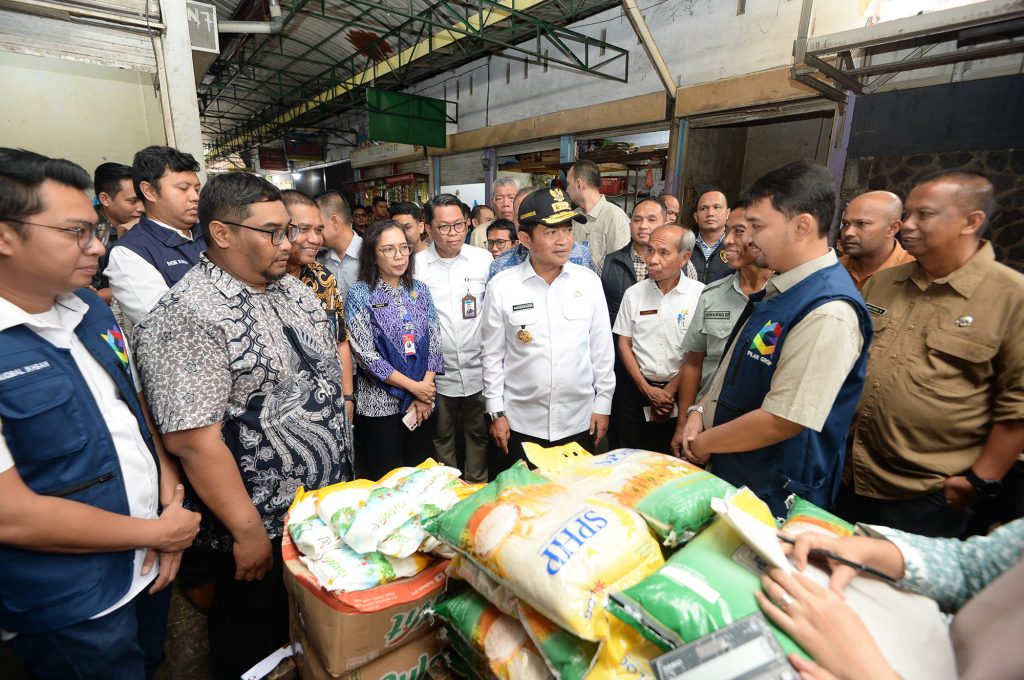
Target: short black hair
x: 707, y: 189
x: 588, y: 172
x: 479, y: 208
x: 150, y: 164
x: 368, y: 253
x: 106, y: 179
x: 381, y: 199
x: 358, y: 206
x: 502, y: 223
x: 981, y: 196
x: 439, y: 201
x: 226, y: 198
x: 796, y: 188
x: 21, y: 174
x: 657, y: 200
x: 742, y: 203
x: 295, y: 197
x: 405, y: 208
x: 333, y: 203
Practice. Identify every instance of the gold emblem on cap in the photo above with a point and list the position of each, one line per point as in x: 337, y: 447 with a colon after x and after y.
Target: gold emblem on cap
x: 964, y: 321
x: 524, y: 336
x: 557, y: 194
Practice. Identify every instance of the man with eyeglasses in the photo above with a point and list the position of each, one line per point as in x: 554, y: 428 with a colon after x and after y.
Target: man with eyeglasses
x: 85, y: 556
x: 241, y: 368
x: 164, y: 245
x: 302, y: 264
x: 456, y: 274
x: 501, y: 236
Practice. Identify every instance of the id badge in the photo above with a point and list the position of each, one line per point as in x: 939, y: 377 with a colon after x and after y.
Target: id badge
x: 409, y: 341
x: 469, y: 306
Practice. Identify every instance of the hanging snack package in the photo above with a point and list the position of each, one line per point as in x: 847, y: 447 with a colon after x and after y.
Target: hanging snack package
x: 672, y: 495
x: 707, y: 584
x: 806, y: 516
x: 337, y: 504
x: 499, y: 638
x: 556, y: 550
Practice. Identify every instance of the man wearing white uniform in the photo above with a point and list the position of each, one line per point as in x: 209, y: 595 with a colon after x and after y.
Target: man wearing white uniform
x: 152, y: 257
x: 650, y: 326
x: 606, y: 228
x: 456, y: 274
x: 547, y: 342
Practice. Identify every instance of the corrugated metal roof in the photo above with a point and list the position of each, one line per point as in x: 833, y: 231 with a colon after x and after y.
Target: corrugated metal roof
x: 260, y: 85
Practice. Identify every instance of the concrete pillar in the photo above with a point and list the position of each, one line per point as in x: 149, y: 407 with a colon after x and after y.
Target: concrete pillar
x: 178, y: 83
x: 674, y: 162
x: 491, y: 173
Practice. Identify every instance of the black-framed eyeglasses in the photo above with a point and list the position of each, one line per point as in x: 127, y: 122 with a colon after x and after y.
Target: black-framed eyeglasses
x: 497, y: 242
x: 277, y: 236
x: 391, y: 251
x: 457, y: 227
x: 84, y: 232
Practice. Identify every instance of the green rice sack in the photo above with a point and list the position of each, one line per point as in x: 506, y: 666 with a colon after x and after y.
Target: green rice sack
x: 806, y: 516
x: 706, y: 585
x: 673, y: 496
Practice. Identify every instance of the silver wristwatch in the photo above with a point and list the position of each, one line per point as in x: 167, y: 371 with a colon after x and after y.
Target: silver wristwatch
x: 695, y: 408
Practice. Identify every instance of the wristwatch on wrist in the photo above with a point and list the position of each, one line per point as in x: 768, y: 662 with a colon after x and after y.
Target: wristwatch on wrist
x: 986, y: 487
x: 695, y: 408
x: 495, y: 415
x: 349, y: 397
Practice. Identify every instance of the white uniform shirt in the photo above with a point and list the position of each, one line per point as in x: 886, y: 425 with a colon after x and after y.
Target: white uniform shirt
x: 450, y: 281
x: 549, y: 386
x: 134, y: 282
x: 657, y: 323
x: 138, y: 469
x: 346, y: 267
x: 605, y: 231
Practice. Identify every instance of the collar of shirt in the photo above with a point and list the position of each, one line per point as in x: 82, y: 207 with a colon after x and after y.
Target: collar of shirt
x: 177, y: 232
x: 12, y: 315
x: 330, y: 254
x: 430, y: 255
x: 710, y: 246
x: 964, y: 280
x: 226, y: 282
x: 353, y: 246
x: 635, y: 256
x: 526, y: 272
x: 595, y: 212
x: 780, y: 283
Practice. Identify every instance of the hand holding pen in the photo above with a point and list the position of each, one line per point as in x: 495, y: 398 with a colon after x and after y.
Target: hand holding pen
x: 846, y: 557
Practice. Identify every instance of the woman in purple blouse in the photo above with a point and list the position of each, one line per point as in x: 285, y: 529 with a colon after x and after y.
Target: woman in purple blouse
x: 395, y: 338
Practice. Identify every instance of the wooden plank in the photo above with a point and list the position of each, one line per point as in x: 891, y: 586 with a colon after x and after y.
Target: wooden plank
x: 764, y: 87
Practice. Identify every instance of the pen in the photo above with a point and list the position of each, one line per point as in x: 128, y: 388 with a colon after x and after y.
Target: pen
x: 842, y: 560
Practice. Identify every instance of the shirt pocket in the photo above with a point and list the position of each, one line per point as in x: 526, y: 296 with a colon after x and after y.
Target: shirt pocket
x: 957, y: 364
x: 40, y: 419
x: 522, y: 317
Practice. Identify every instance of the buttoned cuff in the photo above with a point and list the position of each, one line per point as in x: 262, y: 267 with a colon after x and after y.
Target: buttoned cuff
x: 494, y: 404
x: 603, y: 406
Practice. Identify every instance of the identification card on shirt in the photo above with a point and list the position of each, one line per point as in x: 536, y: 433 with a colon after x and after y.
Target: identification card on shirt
x: 469, y: 306
x: 409, y: 342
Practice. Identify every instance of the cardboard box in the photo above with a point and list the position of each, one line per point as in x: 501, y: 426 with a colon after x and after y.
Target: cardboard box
x: 408, y: 662
x: 349, y: 630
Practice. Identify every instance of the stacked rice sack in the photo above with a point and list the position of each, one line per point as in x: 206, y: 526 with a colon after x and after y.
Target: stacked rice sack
x: 361, y: 534
x: 541, y: 551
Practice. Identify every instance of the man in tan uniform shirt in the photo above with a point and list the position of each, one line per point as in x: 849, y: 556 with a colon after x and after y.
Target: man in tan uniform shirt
x: 941, y: 418
x: 869, y: 227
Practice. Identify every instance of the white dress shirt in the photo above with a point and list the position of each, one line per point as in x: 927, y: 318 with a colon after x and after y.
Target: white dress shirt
x: 138, y: 469
x: 550, y: 385
x: 450, y: 281
x: 657, y: 323
x: 346, y: 267
x: 135, y: 283
x: 605, y: 231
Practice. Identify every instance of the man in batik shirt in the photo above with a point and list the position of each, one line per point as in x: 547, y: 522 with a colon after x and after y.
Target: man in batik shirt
x: 242, y: 372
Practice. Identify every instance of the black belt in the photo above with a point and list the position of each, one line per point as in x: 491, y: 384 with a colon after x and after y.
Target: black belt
x: 655, y: 383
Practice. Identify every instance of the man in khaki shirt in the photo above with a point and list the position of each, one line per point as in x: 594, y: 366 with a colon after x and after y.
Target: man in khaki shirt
x: 941, y: 418
x: 607, y: 227
x: 869, y: 227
